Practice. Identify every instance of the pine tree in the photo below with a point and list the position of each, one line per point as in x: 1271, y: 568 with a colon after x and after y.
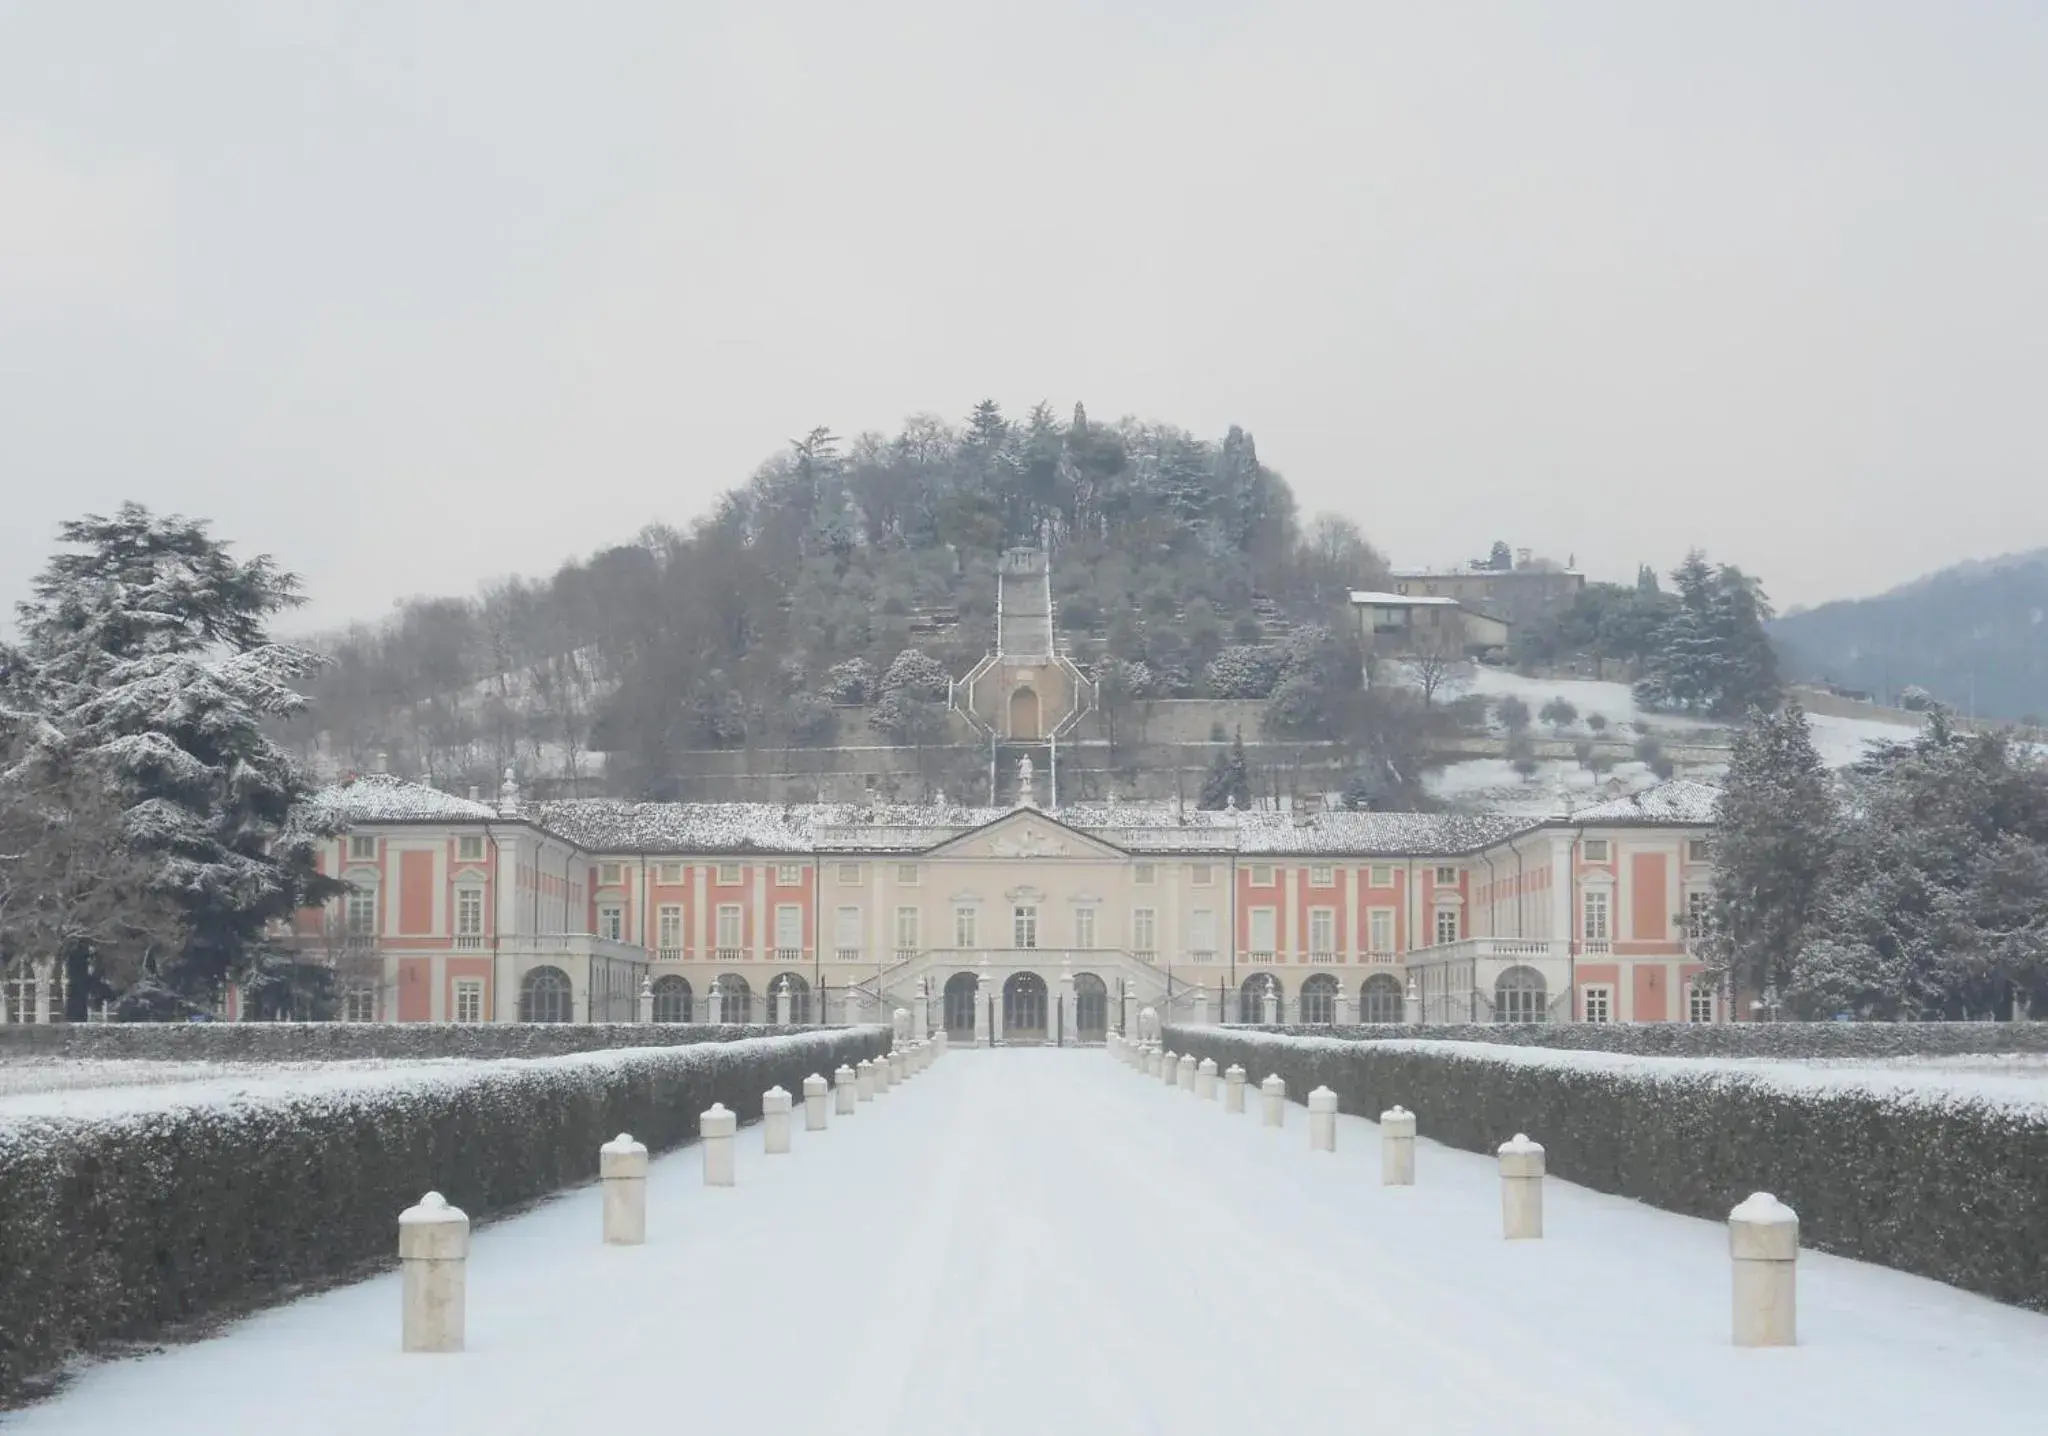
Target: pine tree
x: 153, y: 669
x: 1229, y: 778
x: 1776, y: 832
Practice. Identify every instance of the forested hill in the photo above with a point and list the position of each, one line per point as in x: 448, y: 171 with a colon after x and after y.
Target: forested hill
x: 1974, y: 636
x: 809, y: 580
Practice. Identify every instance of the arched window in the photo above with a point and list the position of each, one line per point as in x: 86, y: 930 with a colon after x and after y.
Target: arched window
x: 1381, y: 999
x: 1024, y: 1005
x: 735, y: 998
x: 546, y: 996
x: 1091, y: 1007
x: 1251, y: 998
x: 794, y: 1005
x: 672, y: 999
x: 961, y: 993
x: 1520, y: 995
x: 1319, y: 999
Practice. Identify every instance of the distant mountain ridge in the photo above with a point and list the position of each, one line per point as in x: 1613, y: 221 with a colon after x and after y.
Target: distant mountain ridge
x: 1974, y: 635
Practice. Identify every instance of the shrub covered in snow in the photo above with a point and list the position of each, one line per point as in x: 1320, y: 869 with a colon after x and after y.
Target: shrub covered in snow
x: 1244, y: 671
x: 1797, y: 1041
x: 916, y: 674
x: 114, y: 1230
x: 1941, y: 1186
x: 352, y: 1041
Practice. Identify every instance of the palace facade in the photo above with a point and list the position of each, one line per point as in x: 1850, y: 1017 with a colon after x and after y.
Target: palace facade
x: 1011, y: 924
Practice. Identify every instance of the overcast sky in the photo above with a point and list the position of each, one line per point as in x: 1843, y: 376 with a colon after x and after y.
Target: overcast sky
x: 416, y: 295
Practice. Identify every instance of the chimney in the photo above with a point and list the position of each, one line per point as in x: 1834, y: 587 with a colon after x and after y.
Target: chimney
x: 381, y: 763
x: 474, y: 792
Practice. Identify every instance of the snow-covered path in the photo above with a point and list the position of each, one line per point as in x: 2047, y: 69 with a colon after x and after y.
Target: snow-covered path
x: 1031, y: 1241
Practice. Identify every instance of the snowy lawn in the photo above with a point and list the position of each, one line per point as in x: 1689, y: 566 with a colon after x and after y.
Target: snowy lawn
x: 1030, y: 1240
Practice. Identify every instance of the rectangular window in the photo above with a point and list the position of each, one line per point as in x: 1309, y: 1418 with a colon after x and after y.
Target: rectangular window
x: 1024, y: 926
x: 1446, y: 925
x: 1202, y: 930
x: 1597, y: 926
x: 362, y: 848
x: 469, y: 999
x: 469, y: 912
x: 1201, y: 875
x: 1599, y: 1004
x: 611, y: 922
x: 1144, y: 874
x: 1262, y: 875
x: 1699, y: 1003
x: 1144, y: 930
x: 1698, y: 850
x: 469, y: 848
x: 728, y: 875
x: 846, y: 929
x: 906, y: 874
x: 906, y: 929
x: 1084, y: 927
x: 1596, y: 850
x: 1322, y: 875
x: 668, y: 928
x: 849, y: 872
x: 1322, y: 929
x: 668, y: 874
x: 1699, y: 906
x: 789, y: 875
x: 610, y: 875
x: 359, y: 1004
x: 729, y: 926
x: 1380, y: 876
x: 362, y: 913
x: 966, y: 922
x: 1379, y: 929
x: 1446, y: 877
x: 1263, y: 929
x: 789, y: 927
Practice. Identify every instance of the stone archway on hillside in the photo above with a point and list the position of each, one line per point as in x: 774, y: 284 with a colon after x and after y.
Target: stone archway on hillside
x: 1024, y: 1007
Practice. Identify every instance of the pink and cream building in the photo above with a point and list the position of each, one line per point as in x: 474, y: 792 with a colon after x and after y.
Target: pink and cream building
x: 1010, y: 923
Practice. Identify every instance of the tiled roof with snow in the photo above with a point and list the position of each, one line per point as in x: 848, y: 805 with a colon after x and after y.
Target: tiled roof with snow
x: 1379, y: 835
x: 387, y: 798
x: 611, y: 826
x: 1679, y: 801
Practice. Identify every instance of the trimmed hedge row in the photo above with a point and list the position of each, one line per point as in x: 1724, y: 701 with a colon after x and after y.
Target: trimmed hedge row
x: 1947, y: 1188
x: 352, y: 1041
x: 1714, y: 1039
x: 115, y: 1230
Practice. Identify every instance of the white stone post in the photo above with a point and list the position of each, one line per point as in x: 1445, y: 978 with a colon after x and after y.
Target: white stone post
x: 716, y: 1003
x: 921, y: 1015
x: 715, y: 1130
x: 1126, y: 1017
x: 1340, y: 1009
x: 1148, y: 1025
x: 1185, y: 1077
x: 899, y: 1023
x: 1063, y: 1018
x: 1412, y: 1007
x: 433, y: 1258
x: 815, y: 1088
x: 646, y: 1000
x: 884, y: 1077
x: 46, y: 991
x: 775, y: 1109
x: 1273, y: 1101
x: 779, y: 1013
x: 1397, y: 1147
x: 995, y: 1017
x: 1763, y: 1240
x: 1205, y: 1079
x: 1269, y: 1008
x: 942, y: 1042
x: 622, y: 1170
x: 981, y: 1011
x: 848, y: 1099
x: 1521, y: 1189
x: 1201, y: 1007
x: 864, y: 1081
x: 897, y: 1069
x: 1233, y: 1088
x: 1169, y: 1067
x: 1322, y: 1120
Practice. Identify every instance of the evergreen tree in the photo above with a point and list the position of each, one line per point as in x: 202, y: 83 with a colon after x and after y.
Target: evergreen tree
x: 152, y: 668
x: 1776, y: 832
x: 1500, y: 559
x: 1229, y: 778
x: 1711, y: 655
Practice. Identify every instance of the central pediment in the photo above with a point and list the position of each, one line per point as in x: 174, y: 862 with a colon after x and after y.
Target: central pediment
x: 1026, y: 834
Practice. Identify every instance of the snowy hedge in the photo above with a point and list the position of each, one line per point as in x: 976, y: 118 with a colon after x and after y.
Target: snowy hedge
x: 1934, y: 1182
x: 353, y: 1041
x: 1716, y: 1039
x: 115, y: 1229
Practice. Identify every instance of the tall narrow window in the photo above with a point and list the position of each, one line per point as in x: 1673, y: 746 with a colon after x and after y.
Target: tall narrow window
x: 1698, y: 905
x: 789, y: 930
x: 469, y: 912
x: 611, y: 922
x: 1144, y: 930
x: 1084, y: 927
x: 1379, y: 929
x: 1263, y: 928
x: 1597, y: 926
x: 846, y: 932
x: 1599, y: 1004
x: 362, y: 913
x: 669, y: 930
x: 1322, y: 930
x: 729, y: 926
x: 966, y: 921
x: 1202, y: 933
x: 906, y: 929
x: 1024, y: 926
x: 1446, y: 925
x: 469, y: 999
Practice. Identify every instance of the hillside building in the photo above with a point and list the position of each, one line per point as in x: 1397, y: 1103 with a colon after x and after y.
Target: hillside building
x: 1010, y: 923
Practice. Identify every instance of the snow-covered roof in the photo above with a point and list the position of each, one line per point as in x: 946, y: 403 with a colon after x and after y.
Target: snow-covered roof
x: 608, y: 825
x: 1366, y: 598
x: 1379, y: 835
x: 1679, y: 801
x: 386, y: 798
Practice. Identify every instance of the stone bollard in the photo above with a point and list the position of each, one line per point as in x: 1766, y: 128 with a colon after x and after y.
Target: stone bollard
x: 898, y: 1066
x: 882, y: 1077
x: 775, y: 1109
x: 1273, y: 1101
x: 843, y: 1090
x: 899, y: 1025
x: 715, y: 1128
x: 622, y: 1169
x: 1152, y: 1059
x: 1521, y: 1189
x: 864, y: 1081
x: 941, y: 1043
x: 1397, y: 1147
x: 1233, y: 1088
x: 1763, y: 1239
x: 433, y: 1256
x: 1185, y: 1077
x: 815, y: 1088
x: 1169, y: 1067
x: 1205, y: 1079
x: 1322, y: 1120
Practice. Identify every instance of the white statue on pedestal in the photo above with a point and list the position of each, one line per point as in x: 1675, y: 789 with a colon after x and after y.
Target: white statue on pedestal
x: 1024, y: 779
